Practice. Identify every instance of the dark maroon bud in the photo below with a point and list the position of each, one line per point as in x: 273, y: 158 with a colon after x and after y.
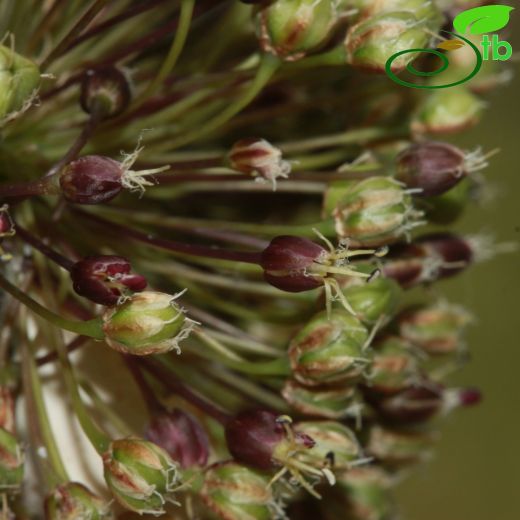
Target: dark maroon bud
x: 91, y: 179
x: 417, y: 403
x: 431, y: 257
x: 104, y: 92
x: 259, y: 438
x: 287, y: 263
x: 182, y: 436
x: 432, y: 167
x: 6, y: 224
x: 105, y: 279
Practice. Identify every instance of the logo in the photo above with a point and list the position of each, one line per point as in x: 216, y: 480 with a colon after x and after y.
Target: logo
x: 477, y: 21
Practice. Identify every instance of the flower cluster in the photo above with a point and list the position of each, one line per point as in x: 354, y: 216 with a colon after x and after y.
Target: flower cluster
x: 264, y: 324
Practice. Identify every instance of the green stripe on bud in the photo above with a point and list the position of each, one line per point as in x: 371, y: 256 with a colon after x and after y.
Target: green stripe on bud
x: 141, y: 475
x: 291, y: 28
x: 234, y: 492
x: 11, y: 462
x: 73, y: 501
x: 330, y: 349
x: 373, y: 211
x: 19, y: 79
x: 147, y: 323
x: 330, y: 402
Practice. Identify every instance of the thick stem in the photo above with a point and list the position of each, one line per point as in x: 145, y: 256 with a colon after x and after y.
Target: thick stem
x: 50, y: 253
x: 92, y: 328
x: 44, y: 186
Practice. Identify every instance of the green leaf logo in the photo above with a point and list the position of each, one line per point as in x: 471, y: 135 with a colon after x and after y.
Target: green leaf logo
x: 482, y: 20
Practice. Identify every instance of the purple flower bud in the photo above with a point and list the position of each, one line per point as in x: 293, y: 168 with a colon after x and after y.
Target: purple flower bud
x: 287, y: 261
x: 182, y: 436
x: 91, y: 179
x: 259, y: 158
x: 6, y: 224
x: 259, y: 438
x: 431, y: 257
x: 105, y: 279
x: 433, y: 167
x: 469, y: 396
x: 105, y: 92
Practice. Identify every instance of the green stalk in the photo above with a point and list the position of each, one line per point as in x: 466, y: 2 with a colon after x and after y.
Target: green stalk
x: 176, y: 47
x: 268, y: 66
x: 52, y: 463
x: 92, y: 328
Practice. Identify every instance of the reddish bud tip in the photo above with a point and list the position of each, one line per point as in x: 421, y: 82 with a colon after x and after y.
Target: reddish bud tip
x: 286, y: 261
x: 258, y: 438
x: 91, y: 179
x: 104, y: 92
x: 182, y: 436
x: 470, y: 396
x: 6, y: 224
x: 105, y: 279
x: 432, y: 167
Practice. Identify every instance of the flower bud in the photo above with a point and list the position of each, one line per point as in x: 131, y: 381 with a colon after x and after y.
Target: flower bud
x: 366, y: 493
x: 432, y: 167
x: 11, y: 462
x: 287, y: 263
x: 234, y: 492
x: 330, y: 349
x: 336, y: 445
x: 6, y: 223
x: 73, y: 501
x: 7, y: 404
x: 374, y: 300
x: 19, y: 79
x: 91, y: 179
x: 399, y: 447
x: 370, y: 43
x: 141, y: 475
x: 373, y: 211
x: 105, y: 279
x: 105, y: 92
x: 181, y: 436
x: 435, y: 329
x: 147, y: 323
x: 259, y: 439
x: 429, y: 258
x: 394, y: 367
x: 447, y: 110
x: 330, y: 402
x: 259, y: 158
x: 290, y: 29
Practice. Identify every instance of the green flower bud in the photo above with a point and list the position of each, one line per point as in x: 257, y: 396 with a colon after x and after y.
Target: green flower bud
x: 329, y: 349
x: 374, y: 300
x: 373, y: 211
x: 73, y: 501
x: 399, y: 447
x: 19, y: 78
x: 447, y: 110
x: 141, y: 475
x: 330, y: 402
x: 436, y: 329
x: 394, y: 366
x: 366, y: 493
x: 291, y: 28
x: 336, y: 445
x: 11, y: 462
x: 147, y: 323
x: 371, y: 42
x: 448, y: 207
x: 234, y: 492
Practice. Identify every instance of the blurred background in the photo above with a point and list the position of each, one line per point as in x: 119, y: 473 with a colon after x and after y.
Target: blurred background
x: 475, y: 474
